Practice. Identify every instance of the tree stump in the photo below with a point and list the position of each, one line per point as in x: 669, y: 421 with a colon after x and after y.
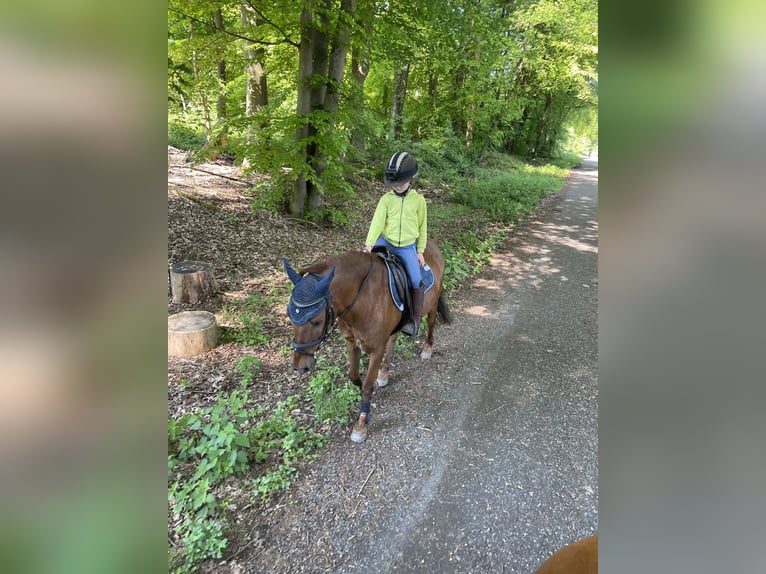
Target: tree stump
x: 191, y: 282
x: 191, y: 333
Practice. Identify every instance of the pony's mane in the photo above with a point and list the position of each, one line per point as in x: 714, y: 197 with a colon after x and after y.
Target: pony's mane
x: 324, y: 266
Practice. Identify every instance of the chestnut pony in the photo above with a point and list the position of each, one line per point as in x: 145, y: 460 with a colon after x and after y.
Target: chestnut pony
x: 351, y: 291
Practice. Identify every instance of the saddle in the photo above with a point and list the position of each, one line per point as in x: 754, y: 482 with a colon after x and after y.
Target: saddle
x: 399, y: 283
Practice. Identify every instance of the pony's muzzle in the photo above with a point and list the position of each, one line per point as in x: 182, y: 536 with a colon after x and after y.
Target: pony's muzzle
x: 303, y: 363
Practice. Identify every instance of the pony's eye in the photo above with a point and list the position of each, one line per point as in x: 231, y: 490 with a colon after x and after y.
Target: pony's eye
x: 315, y: 322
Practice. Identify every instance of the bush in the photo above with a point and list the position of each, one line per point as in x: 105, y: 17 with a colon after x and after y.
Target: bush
x: 184, y: 136
x: 507, y: 196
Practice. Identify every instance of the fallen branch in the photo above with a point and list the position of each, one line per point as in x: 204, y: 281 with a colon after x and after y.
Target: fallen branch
x: 215, y: 174
x: 238, y: 552
x: 207, y: 204
x: 365, y: 482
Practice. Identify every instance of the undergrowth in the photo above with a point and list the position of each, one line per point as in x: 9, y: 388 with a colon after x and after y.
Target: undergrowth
x: 233, y: 438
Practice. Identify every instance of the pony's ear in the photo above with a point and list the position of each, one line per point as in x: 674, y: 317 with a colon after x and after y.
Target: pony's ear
x: 324, y: 284
x: 291, y: 273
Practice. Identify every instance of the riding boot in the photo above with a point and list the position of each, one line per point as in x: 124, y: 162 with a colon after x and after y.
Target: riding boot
x: 417, y: 312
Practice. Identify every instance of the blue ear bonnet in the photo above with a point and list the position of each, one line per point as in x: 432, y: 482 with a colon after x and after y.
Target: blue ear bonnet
x: 310, y: 297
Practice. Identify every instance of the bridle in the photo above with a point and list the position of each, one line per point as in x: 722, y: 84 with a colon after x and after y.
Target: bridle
x: 327, y: 330
x: 330, y: 324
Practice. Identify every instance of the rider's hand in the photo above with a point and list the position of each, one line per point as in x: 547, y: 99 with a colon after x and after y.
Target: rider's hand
x: 366, y: 249
x: 421, y: 259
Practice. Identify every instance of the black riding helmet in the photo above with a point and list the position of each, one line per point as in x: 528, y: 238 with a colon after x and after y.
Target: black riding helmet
x: 401, y: 168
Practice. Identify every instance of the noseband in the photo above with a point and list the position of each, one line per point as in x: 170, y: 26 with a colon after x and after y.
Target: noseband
x: 329, y: 319
x: 327, y: 329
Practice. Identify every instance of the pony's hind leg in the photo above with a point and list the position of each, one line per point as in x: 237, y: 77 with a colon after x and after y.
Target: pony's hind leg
x: 382, y: 379
x: 428, y: 348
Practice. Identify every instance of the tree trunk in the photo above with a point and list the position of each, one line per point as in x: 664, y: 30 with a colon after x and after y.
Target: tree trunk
x: 337, y: 64
x: 400, y: 94
x: 191, y: 282
x: 305, y: 66
x: 313, y: 60
x: 543, y: 124
x: 203, y: 96
x: 191, y: 333
x: 360, y: 67
x: 458, y: 83
x: 256, y: 92
x: 221, y: 71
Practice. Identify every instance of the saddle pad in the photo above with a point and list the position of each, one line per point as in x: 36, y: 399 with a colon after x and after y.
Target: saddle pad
x: 426, y: 274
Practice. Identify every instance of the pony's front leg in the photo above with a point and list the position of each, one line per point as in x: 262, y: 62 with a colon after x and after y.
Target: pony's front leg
x: 354, y: 357
x: 382, y: 379
x: 359, y: 433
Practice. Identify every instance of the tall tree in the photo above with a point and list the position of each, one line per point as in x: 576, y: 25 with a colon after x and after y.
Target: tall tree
x: 220, y: 64
x: 322, y: 61
x: 401, y: 78
x: 360, y: 67
x: 256, y: 90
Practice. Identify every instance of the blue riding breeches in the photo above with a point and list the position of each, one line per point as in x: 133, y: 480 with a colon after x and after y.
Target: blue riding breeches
x: 409, y: 256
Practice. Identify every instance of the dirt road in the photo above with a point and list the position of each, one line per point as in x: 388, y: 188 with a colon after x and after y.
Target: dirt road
x: 483, y: 459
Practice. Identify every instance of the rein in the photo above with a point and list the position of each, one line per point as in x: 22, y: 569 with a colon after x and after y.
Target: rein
x: 330, y: 324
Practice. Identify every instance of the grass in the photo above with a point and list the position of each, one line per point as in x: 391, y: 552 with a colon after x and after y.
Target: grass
x: 244, y: 317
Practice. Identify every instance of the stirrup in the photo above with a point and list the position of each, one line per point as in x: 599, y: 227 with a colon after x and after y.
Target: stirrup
x: 411, y: 328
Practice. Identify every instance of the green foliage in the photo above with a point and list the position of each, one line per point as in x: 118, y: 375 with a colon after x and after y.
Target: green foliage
x: 507, y: 196
x: 405, y: 346
x: 465, y: 255
x: 214, y: 445
x: 280, y: 435
x: 248, y: 367
x: 332, y: 402
x: 184, y: 136
x: 246, y: 317
x: 566, y: 160
x: 267, y: 485
x: 220, y: 441
x: 481, y: 79
x: 269, y: 195
x: 444, y: 159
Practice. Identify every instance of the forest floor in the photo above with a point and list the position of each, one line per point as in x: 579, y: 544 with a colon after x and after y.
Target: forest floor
x: 210, y: 219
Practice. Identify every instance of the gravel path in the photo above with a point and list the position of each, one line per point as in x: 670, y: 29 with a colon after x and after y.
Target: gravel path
x: 483, y: 459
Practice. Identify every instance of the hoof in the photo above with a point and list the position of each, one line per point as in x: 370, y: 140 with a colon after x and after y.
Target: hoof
x: 381, y: 382
x: 425, y: 355
x: 359, y: 433
x: 358, y: 437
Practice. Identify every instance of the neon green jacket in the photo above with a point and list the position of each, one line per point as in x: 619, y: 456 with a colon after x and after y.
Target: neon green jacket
x: 401, y: 220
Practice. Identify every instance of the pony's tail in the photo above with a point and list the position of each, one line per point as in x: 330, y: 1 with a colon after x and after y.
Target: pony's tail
x: 443, y: 310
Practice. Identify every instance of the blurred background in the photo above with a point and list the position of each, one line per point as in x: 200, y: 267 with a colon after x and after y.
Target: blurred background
x: 83, y: 286
x: 681, y: 270
x: 83, y: 278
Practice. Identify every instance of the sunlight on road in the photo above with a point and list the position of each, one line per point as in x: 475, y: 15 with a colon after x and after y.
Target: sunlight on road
x: 479, y: 311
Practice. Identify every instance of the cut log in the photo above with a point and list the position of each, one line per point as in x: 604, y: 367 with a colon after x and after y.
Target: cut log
x: 191, y: 282
x: 191, y: 333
